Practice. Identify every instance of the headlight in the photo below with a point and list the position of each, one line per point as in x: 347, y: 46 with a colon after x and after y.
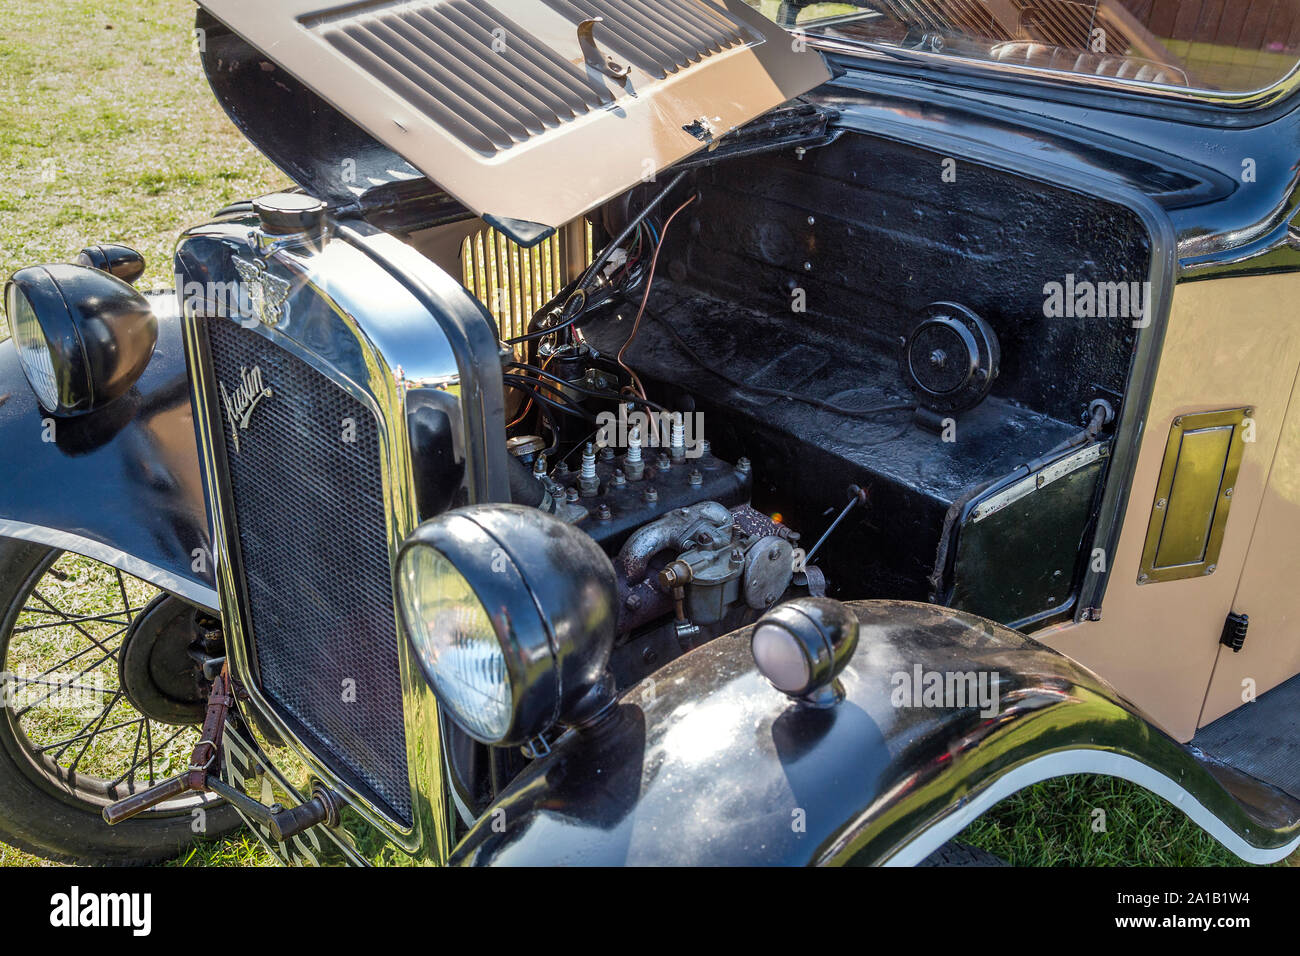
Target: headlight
x: 83, y: 337
x: 511, y: 614
x: 456, y: 643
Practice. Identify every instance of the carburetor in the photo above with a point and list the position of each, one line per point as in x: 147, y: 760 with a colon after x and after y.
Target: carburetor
x: 718, y: 559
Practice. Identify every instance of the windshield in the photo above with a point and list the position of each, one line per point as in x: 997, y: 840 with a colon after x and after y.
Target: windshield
x: 1227, y: 46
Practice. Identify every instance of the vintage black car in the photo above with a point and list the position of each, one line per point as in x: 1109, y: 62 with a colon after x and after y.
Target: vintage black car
x: 673, y: 432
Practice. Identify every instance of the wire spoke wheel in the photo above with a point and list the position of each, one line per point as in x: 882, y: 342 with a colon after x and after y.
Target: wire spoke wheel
x: 64, y: 699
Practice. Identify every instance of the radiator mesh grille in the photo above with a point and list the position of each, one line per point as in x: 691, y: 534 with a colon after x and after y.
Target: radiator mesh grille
x: 307, y: 495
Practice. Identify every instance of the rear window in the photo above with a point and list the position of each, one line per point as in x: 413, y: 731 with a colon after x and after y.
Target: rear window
x: 1224, y: 46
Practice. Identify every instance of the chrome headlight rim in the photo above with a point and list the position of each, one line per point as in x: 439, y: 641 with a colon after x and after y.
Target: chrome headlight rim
x: 551, y: 595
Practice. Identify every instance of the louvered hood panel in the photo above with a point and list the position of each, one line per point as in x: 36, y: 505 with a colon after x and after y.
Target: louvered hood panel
x: 498, y: 104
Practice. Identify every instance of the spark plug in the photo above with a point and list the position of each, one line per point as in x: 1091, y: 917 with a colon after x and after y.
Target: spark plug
x: 677, y: 439
x: 588, y: 482
x: 633, y: 466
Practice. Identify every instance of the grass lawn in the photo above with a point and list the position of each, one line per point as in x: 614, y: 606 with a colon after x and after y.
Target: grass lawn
x: 108, y: 133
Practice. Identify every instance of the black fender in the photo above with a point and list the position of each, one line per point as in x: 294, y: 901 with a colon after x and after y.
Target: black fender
x: 120, y: 485
x: 706, y: 763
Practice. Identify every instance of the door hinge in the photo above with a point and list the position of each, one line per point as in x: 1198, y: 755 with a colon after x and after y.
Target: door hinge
x: 1234, y: 631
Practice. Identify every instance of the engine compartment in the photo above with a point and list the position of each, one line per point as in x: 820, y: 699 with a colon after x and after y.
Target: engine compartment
x: 777, y: 390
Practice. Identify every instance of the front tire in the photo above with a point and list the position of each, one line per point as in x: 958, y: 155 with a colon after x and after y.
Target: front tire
x: 60, y: 626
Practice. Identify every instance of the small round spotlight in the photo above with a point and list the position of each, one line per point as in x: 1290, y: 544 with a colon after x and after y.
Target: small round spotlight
x: 800, y: 646
x: 511, y: 614
x: 83, y: 336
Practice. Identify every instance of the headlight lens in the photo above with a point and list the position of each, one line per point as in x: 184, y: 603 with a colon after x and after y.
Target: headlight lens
x: 456, y: 643
x: 33, y: 348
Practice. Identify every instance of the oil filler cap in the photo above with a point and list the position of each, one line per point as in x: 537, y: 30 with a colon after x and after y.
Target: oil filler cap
x: 951, y: 358
x: 289, y: 214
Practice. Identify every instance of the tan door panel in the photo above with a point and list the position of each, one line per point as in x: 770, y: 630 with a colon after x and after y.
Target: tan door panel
x: 1230, y: 344
x: 1269, y: 591
x: 504, y: 106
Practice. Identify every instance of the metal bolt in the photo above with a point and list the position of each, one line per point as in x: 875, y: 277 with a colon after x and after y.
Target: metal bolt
x: 1227, y: 493
x: 1178, y: 420
x: 742, y: 464
x: 620, y: 479
x: 603, y: 512
x: 1161, y: 503
x: 696, y: 479
x: 633, y: 601
x: 1211, y: 569
x: 651, y: 495
x: 571, y: 494
x: 812, y: 221
x: 1143, y: 578
x: 807, y: 267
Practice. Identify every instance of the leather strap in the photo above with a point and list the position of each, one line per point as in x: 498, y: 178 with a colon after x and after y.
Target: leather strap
x: 207, y: 751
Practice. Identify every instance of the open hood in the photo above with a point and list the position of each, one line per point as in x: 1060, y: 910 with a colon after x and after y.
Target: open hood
x: 534, y: 111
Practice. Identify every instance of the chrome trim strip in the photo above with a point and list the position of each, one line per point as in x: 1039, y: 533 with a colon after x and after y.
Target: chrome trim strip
x: 1101, y: 762
x: 1250, y: 99
x: 65, y: 541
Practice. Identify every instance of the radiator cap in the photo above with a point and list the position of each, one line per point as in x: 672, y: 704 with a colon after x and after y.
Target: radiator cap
x: 288, y: 214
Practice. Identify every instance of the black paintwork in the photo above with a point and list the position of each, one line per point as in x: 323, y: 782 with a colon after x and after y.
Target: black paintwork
x: 1185, y: 157
x: 707, y: 763
x: 125, y: 477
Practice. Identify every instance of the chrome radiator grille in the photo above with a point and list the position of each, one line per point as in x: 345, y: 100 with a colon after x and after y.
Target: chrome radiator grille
x: 305, y: 484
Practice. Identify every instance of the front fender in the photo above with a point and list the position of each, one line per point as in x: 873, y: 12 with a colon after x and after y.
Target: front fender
x: 121, y: 484
x: 706, y: 763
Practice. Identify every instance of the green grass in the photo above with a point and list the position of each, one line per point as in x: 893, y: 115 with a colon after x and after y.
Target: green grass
x: 1052, y: 824
x: 108, y: 133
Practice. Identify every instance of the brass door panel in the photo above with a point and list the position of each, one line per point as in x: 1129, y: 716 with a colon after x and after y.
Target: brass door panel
x: 1193, y: 496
